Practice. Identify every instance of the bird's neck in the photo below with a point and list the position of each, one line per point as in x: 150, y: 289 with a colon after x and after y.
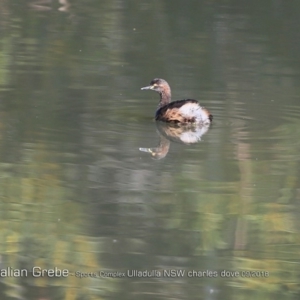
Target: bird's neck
x: 165, y: 98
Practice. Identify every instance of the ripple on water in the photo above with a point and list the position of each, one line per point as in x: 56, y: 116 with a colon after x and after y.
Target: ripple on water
x: 269, y: 131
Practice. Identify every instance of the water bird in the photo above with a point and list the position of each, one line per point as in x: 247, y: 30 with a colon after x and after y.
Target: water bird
x: 186, y: 111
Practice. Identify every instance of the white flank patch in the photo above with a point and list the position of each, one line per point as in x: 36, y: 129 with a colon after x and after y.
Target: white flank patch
x: 194, y: 110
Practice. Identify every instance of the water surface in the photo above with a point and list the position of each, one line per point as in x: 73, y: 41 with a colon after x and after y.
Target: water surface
x: 76, y: 192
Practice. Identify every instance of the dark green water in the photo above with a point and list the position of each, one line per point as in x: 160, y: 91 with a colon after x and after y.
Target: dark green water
x: 77, y: 194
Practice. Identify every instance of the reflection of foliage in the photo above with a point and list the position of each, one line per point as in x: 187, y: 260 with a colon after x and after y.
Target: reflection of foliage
x: 67, y: 70
x: 4, y: 61
x: 229, y: 216
x: 271, y: 281
x: 39, y: 227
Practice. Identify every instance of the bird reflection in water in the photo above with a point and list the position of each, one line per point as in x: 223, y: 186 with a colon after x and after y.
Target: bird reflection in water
x: 188, y: 134
x: 44, y: 5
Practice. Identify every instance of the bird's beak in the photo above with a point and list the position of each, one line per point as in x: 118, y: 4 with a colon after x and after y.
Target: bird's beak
x: 149, y: 87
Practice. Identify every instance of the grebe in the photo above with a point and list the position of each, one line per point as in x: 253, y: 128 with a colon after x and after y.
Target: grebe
x: 186, y: 111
